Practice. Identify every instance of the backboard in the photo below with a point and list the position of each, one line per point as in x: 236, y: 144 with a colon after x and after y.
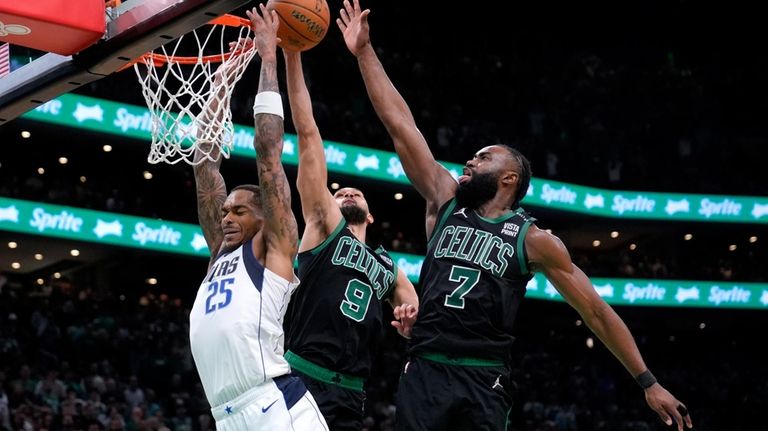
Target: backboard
x: 133, y: 28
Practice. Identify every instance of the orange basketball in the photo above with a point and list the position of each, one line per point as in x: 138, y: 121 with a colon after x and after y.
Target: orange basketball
x: 303, y: 23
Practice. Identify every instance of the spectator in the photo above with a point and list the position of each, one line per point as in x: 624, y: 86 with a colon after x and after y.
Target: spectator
x: 133, y: 394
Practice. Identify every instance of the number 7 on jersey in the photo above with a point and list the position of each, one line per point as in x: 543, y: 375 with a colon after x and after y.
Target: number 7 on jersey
x: 467, y: 279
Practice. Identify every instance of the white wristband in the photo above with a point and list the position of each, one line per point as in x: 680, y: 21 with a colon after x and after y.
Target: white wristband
x: 268, y: 102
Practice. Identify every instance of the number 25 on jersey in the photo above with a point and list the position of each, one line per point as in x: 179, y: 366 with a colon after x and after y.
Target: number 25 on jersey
x: 219, y: 295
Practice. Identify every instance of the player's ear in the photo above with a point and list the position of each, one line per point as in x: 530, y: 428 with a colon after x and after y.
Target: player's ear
x: 369, y: 218
x: 510, y: 178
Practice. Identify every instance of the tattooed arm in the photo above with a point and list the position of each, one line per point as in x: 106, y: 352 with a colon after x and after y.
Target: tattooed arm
x: 211, y: 193
x: 280, y: 230
x: 211, y: 189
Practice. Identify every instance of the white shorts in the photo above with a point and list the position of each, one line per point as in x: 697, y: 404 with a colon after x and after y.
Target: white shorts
x: 280, y: 404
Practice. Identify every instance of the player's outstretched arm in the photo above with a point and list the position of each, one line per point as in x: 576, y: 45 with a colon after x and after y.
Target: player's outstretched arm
x: 216, y: 108
x: 211, y: 189
x: 280, y: 230
x: 211, y: 194
x: 430, y: 178
x: 547, y: 254
x: 406, y: 304
x: 321, y: 212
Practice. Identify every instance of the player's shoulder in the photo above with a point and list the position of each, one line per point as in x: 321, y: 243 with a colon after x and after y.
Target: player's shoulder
x: 524, y: 216
x: 536, y: 235
x: 383, y: 255
x: 542, y: 245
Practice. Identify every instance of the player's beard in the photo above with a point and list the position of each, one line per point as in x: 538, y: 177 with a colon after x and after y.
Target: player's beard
x: 478, y: 190
x: 353, y: 214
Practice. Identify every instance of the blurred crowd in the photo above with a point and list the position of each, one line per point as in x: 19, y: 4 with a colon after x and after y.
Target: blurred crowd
x: 588, y: 109
x: 661, y: 263
x: 78, y: 355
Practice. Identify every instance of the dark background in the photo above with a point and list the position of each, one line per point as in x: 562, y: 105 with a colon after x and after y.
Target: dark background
x: 672, y: 92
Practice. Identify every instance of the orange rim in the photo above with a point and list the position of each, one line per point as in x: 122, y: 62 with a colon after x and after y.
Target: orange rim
x: 159, y: 60
x: 230, y: 21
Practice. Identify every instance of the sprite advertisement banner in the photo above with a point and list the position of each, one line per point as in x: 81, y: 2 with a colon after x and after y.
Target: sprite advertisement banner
x: 100, y: 227
x: 136, y: 122
x: 129, y: 231
x: 676, y: 293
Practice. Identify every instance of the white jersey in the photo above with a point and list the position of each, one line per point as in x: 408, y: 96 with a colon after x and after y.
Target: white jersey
x: 236, y: 325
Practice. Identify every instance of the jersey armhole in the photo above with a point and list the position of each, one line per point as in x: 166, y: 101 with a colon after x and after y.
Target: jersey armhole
x: 444, y: 212
x: 331, y: 237
x: 381, y: 251
x: 391, y: 291
x: 522, y: 256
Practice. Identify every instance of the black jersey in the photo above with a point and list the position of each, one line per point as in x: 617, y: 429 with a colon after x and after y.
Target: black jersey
x: 473, y: 279
x: 336, y: 313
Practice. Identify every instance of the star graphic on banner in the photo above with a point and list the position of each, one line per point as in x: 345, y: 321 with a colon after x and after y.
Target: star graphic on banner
x: 10, y: 213
x: 289, y: 147
x: 198, y: 242
x: 228, y: 409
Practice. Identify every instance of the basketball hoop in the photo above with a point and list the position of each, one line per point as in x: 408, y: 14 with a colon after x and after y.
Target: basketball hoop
x: 188, y: 96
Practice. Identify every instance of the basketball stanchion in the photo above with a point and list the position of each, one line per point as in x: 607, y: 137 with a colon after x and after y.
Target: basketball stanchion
x: 52, y: 25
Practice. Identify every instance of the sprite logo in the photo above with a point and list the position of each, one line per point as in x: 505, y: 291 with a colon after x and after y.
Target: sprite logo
x: 638, y: 204
x: 64, y: 221
x: 735, y: 294
x: 563, y: 194
x: 726, y: 207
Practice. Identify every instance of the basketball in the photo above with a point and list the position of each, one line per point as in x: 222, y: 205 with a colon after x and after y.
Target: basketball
x: 303, y: 23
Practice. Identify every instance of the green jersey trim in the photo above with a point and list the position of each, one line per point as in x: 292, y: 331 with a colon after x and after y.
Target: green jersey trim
x: 500, y: 218
x: 391, y: 290
x: 521, y: 245
x: 459, y: 360
x: 395, y: 268
x: 330, y: 238
x: 323, y: 374
x: 381, y: 250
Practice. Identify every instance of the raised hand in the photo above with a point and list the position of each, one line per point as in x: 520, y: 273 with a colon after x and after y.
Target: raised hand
x: 354, y: 26
x: 264, y: 26
x: 229, y: 68
x: 405, y: 317
x: 240, y: 45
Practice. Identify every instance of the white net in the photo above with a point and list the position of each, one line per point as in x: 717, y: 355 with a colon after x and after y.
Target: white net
x: 188, y: 97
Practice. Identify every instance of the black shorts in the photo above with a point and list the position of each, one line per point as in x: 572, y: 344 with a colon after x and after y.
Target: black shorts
x: 341, y: 407
x: 434, y: 396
